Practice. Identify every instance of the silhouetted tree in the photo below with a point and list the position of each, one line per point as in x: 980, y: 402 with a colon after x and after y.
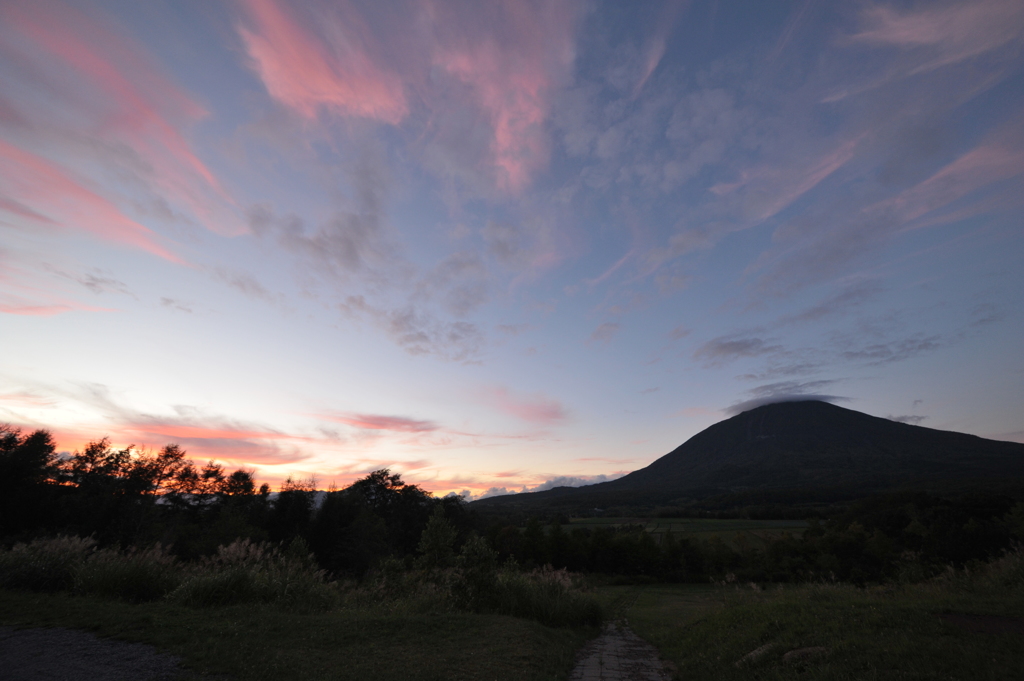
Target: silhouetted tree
x: 28, y: 470
x: 403, y: 508
x: 437, y: 542
x: 292, y: 511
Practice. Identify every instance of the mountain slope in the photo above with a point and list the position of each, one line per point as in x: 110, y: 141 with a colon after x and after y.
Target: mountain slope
x: 805, y: 445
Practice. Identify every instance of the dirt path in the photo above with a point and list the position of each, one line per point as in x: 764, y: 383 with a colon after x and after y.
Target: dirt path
x: 619, y: 655
x: 69, y: 655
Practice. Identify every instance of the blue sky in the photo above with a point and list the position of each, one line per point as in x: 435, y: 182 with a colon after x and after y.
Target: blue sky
x: 496, y: 245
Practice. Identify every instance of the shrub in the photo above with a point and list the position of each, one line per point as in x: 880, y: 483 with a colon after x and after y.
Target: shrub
x: 248, y: 572
x: 552, y: 597
x: 1002, y: 575
x: 45, y: 564
x: 134, y: 575
x: 1007, y: 570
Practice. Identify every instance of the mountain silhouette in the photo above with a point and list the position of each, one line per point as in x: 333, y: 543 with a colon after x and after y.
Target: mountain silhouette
x: 806, y: 445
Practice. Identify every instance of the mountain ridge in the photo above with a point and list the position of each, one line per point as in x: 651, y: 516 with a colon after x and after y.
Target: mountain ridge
x: 803, y: 445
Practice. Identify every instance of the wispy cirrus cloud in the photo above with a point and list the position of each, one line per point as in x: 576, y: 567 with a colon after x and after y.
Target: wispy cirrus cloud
x: 985, y: 180
x: 25, y: 398
x: 986, y: 164
x: 129, y: 116
x: 23, y: 292
x: 605, y: 332
x: 771, y: 190
x: 201, y: 433
x: 654, y: 50
x: 400, y: 424
x: 723, y: 349
x: 948, y: 32
x: 238, y: 444
x: 510, y: 56
x: 922, y: 40
x: 419, y: 332
x: 334, y: 69
x: 503, y: 61
x: 895, y: 351
x: 536, y: 408
x: 841, y: 301
x: 51, y: 190
x: 19, y: 307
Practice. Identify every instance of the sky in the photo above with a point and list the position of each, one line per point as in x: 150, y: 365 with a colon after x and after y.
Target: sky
x: 501, y: 246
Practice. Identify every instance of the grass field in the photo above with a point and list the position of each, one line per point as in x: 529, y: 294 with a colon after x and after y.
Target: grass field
x: 963, y: 627
x: 263, y: 642
x: 731, y: 531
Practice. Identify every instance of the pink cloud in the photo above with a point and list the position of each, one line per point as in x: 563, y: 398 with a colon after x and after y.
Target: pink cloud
x: 232, y: 444
x: 379, y: 422
x: 975, y: 169
x: 193, y: 432
x: 21, y: 210
x: 657, y: 43
x: 52, y: 191
x: 511, y: 62
x: 24, y: 294
x: 785, y: 187
x: 532, y: 408
x: 984, y: 165
x: 305, y: 72
x: 45, y: 310
x: 26, y: 399
x: 117, y: 95
x: 957, y: 31
x: 506, y: 57
x: 237, y: 447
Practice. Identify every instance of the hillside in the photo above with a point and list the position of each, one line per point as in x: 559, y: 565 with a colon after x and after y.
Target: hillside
x: 809, y: 446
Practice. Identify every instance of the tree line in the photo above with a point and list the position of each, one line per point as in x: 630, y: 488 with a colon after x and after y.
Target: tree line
x: 129, y: 497
x: 132, y: 497
x: 903, y: 536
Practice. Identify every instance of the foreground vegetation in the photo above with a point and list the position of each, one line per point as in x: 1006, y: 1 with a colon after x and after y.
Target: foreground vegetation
x: 962, y: 624
x: 247, y: 573
x: 256, y: 611
x: 265, y: 642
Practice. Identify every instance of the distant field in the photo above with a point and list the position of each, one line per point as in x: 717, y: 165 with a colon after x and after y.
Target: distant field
x: 731, y: 532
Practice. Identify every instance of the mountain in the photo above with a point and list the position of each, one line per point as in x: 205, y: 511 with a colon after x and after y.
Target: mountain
x: 808, y: 446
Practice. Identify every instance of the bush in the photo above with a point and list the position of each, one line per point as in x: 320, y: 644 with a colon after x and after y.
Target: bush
x: 552, y: 597
x: 248, y: 572
x: 1008, y: 570
x: 45, y: 564
x: 135, y: 575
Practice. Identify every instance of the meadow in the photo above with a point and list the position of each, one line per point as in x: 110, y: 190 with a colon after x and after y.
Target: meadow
x: 256, y: 611
x: 963, y: 624
x: 258, y: 642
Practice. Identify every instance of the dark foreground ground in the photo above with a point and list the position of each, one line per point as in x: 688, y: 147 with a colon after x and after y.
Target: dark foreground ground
x: 266, y: 643
x: 966, y: 624
x: 58, y: 654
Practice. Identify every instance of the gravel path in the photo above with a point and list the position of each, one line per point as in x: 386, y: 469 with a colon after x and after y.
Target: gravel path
x: 69, y: 655
x: 619, y: 655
